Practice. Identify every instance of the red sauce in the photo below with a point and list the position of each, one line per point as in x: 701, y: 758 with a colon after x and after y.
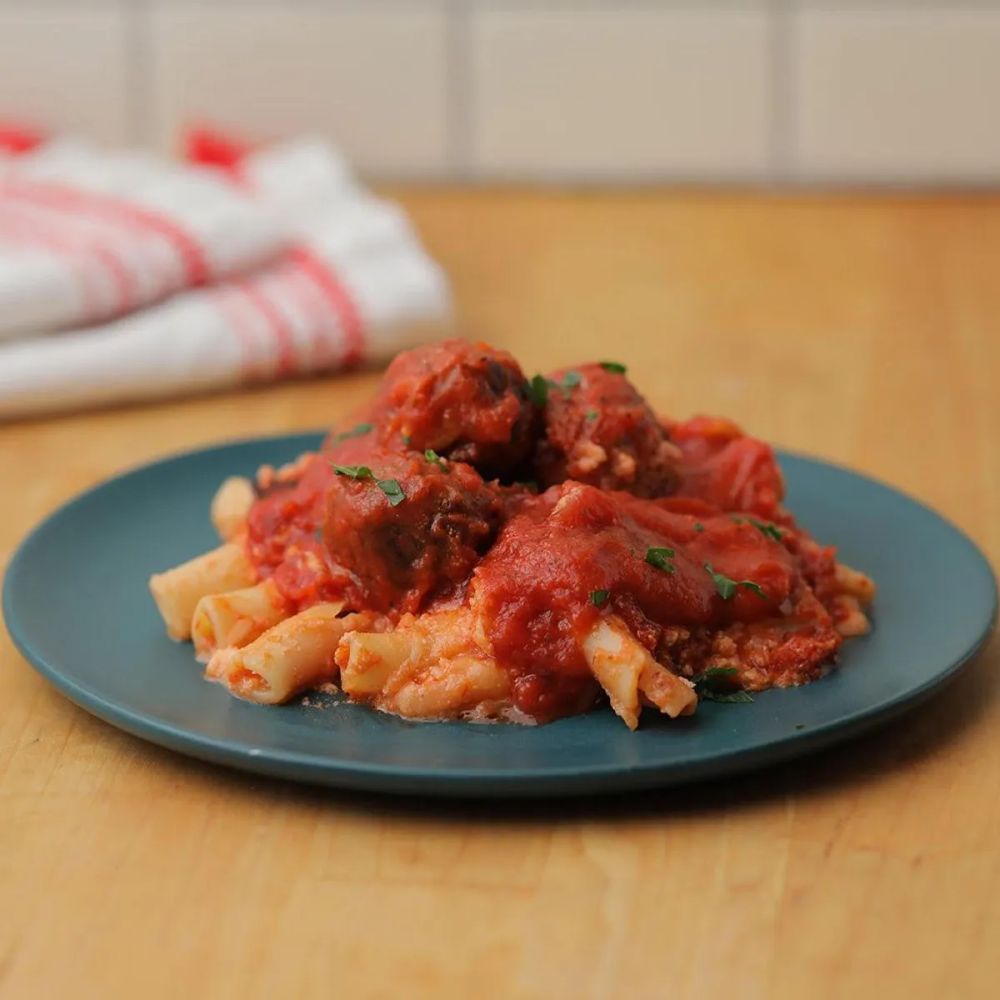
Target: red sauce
x: 535, y: 584
x: 602, y: 432
x: 468, y: 402
x: 284, y: 537
x: 724, y: 467
x: 401, y: 557
x: 532, y: 565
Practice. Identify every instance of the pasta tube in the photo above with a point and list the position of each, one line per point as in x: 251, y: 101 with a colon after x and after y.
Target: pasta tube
x: 295, y: 654
x: 629, y: 674
x: 854, y: 582
x: 463, y: 684
x: 431, y: 666
x: 368, y: 659
x: 235, y: 618
x: 178, y: 591
x: 231, y: 505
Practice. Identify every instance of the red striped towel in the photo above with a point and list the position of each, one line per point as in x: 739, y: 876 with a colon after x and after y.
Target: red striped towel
x: 280, y: 264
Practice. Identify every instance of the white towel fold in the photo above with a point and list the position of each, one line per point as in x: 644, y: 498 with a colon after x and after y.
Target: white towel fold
x: 85, y: 235
x: 346, y: 280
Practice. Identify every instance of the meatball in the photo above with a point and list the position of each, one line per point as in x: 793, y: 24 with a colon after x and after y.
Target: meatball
x: 600, y: 431
x: 468, y: 402
x: 407, y: 529
x: 725, y: 467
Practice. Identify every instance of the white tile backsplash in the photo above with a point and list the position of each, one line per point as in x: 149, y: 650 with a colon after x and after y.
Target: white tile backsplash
x: 65, y: 68
x: 371, y: 77
x: 897, y: 93
x: 564, y: 90
x: 619, y: 93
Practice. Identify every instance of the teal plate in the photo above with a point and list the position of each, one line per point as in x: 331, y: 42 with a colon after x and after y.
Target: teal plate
x: 77, y: 606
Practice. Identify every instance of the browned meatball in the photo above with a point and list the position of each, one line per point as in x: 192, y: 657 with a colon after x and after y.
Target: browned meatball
x: 468, y: 402
x: 599, y: 430
x: 406, y: 528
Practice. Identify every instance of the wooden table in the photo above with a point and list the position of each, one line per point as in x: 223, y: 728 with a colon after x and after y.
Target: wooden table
x: 862, y: 329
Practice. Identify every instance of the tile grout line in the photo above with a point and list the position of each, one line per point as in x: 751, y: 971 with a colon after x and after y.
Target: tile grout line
x: 458, y: 84
x: 575, y: 6
x: 782, y: 130
x: 137, y: 65
x: 782, y: 98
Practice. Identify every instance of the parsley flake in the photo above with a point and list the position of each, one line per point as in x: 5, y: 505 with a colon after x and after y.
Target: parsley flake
x: 433, y: 457
x: 712, y: 674
x: 726, y: 587
x: 720, y: 684
x: 359, y: 430
x: 730, y: 697
x: 591, y: 415
x: 660, y: 558
x: 406, y: 440
x: 538, y: 390
x: 767, y: 529
x: 390, y: 487
x: 569, y: 381
x: 393, y: 491
x: 699, y: 527
x: 615, y: 367
x: 353, y: 471
x: 599, y: 597
x: 755, y: 587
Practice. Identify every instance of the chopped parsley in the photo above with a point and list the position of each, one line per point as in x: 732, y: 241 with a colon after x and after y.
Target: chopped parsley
x: 393, y: 491
x: 359, y: 430
x: 433, y: 457
x: 699, y: 527
x: 711, y: 676
x: 726, y: 587
x: 599, y: 597
x: 738, y: 697
x: 353, y: 471
x: 390, y: 487
x: 538, y: 390
x: 406, y: 439
x: 615, y: 367
x: 660, y: 558
x: 591, y: 415
x: 767, y: 529
x: 720, y: 684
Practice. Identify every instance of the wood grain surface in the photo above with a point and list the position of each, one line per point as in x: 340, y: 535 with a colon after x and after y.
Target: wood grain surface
x: 861, y: 329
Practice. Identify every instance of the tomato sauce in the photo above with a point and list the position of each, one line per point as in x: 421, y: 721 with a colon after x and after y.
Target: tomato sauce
x: 469, y: 402
x: 285, y: 536
x: 402, y: 556
x: 676, y: 528
x: 578, y: 551
x: 724, y: 467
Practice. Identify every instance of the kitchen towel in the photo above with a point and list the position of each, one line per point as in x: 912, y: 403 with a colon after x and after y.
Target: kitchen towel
x: 87, y: 235
x: 345, y: 280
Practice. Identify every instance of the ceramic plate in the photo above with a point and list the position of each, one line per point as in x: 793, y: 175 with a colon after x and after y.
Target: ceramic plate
x: 77, y: 606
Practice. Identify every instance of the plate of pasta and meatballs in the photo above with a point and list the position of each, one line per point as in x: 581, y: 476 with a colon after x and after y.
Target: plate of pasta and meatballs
x: 489, y: 582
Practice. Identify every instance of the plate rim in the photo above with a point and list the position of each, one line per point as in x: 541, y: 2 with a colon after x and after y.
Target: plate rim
x: 481, y: 782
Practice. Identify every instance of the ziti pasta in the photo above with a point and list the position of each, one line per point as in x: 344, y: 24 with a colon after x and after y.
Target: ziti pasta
x: 483, y: 545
